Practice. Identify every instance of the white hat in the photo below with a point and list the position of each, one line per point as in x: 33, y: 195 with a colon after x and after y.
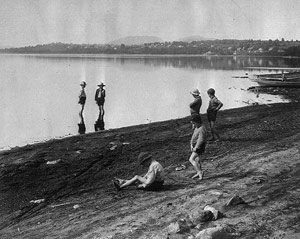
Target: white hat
x: 195, y: 92
x: 83, y: 83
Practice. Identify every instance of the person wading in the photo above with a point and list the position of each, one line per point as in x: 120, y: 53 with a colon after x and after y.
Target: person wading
x: 81, y: 102
x: 100, y: 99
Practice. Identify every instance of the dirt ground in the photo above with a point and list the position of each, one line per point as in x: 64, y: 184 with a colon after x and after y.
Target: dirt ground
x: 257, y: 159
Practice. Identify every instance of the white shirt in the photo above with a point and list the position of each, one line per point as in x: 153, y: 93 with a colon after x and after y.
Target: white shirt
x: 155, y: 173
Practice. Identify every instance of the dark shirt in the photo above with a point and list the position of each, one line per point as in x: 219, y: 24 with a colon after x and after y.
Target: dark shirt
x: 100, y: 96
x: 214, y: 104
x: 196, y: 105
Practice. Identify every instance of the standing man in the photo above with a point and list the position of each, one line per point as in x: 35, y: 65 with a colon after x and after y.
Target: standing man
x: 213, y: 107
x: 81, y: 102
x: 100, y: 99
x: 198, y: 142
x: 196, y: 104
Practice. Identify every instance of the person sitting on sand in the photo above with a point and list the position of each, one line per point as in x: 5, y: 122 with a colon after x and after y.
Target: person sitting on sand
x: 196, y: 104
x: 153, y: 180
x: 213, y: 107
x: 198, y: 142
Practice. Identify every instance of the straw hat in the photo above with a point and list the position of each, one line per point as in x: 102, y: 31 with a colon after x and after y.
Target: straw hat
x: 83, y: 83
x: 144, y: 156
x: 101, y: 84
x: 195, y: 92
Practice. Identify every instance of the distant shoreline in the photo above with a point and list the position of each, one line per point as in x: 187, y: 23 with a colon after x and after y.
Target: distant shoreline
x: 135, y: 55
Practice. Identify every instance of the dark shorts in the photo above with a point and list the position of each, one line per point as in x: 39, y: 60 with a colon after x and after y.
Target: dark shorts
x: 100, y: 102
x: 82, y: 100
x: 211, y: 115
x: 155, y: 186
x: 201, y: 149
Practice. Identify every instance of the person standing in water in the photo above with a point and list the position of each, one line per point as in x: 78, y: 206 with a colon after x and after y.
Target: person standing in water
x: 81, y: 102
x: 213, y: 107
x: 100, y: 99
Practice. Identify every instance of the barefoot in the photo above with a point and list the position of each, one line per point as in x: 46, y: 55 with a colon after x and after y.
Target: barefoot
x: 201, y: 175
x: 120, y: 181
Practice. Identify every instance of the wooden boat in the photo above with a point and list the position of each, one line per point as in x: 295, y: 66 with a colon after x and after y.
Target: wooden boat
x: 289, y: 79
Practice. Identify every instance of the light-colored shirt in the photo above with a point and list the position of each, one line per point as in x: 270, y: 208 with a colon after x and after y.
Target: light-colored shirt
x: 155, y: 173
x: 199, y: 137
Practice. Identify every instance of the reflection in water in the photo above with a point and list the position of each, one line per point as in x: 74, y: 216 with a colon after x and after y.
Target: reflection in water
x: 81, y: 128
x: 183, y: 61
x: 142, y: 89
x: 99, y: 124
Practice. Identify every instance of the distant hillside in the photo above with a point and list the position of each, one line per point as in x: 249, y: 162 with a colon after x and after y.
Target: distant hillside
x: 4, y: 47
x: 136, y: 40
x: 194, y: 38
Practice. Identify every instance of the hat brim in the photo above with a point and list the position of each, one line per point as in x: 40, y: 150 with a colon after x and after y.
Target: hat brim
x: 194, y: 93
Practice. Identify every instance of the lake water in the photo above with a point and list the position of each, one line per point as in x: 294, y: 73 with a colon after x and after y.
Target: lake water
x: 39, y: 93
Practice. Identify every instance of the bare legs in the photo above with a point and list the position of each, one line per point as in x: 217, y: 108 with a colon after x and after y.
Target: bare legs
x: 195, y: 161
x: 101, y: 112
x: 81, y: 120
x: 213, y: 130
x: 124, y: 183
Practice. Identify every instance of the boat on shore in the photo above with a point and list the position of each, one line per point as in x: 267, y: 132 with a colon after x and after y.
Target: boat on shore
x: 285, y: 79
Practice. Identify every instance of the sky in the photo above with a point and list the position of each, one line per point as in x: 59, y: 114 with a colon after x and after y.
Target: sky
x: 32, y: 22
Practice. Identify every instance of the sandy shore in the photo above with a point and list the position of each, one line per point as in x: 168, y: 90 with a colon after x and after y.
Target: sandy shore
x: 258, y: 159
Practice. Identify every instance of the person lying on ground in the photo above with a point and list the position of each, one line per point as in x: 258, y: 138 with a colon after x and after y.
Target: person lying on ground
x: 153, y: 180
x: 198, y: 142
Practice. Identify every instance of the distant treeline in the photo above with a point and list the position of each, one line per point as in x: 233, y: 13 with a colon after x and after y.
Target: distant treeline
x: 208, y: 47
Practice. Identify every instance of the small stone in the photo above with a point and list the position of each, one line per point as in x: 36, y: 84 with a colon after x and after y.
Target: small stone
x: 37, y: 201
x: 235, y: 200
x: 76, y: 206
x: 182, y: 225
x: 214, y: 211
x: 213, y: 233
x: 198, y: 216
x: 191, y: 237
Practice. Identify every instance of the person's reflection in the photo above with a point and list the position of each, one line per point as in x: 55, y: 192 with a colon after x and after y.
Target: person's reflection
x: 99, y: 124
x: 81, y: 102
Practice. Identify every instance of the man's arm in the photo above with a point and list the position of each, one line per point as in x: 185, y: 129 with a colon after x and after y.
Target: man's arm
x: 200, y: 140
x: 150, y: 177
x: 96, y: 95
x: 220, y: 104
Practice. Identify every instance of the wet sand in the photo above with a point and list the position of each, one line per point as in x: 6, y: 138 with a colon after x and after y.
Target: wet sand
x: 258, y: 159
